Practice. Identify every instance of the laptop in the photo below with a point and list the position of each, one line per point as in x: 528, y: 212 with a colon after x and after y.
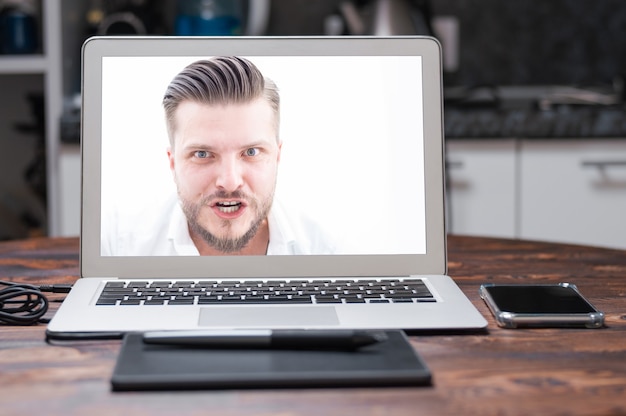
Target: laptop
x: 360, y: 165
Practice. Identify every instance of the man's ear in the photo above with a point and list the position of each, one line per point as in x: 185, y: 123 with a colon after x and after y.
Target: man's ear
x: 170, y: 156
x: 280, y: 147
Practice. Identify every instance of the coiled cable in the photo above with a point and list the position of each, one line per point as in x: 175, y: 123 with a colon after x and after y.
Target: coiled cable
x: 24, y: 304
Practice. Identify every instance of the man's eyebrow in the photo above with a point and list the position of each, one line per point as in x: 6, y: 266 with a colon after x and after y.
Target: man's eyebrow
x: 260, y: 143
x: 197, y: 146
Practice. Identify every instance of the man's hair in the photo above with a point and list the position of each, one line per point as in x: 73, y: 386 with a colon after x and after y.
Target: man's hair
x: 219, y: 80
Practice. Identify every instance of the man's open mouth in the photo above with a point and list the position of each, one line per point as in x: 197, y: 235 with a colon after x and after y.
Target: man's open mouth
x: 228, y: 207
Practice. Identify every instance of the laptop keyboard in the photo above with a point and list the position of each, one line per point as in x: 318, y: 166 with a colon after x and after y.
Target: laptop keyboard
x: 214, y: 292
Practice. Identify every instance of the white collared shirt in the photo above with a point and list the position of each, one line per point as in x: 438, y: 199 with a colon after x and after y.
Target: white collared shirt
x: 162, y: 230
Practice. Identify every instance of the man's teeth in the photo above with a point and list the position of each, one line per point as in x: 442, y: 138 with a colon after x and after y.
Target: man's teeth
x: 228, y: 206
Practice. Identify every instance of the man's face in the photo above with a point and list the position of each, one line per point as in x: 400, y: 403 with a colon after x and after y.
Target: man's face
x: 225, y: 161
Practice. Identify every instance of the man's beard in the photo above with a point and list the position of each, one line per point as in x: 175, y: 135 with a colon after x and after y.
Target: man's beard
x: 225, y: 244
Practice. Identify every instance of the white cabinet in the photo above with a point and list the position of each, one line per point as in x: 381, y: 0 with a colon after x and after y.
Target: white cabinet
x: 570, y: 191
x: 69, y: 190
x: 482, y: 191
x: 574, y: 191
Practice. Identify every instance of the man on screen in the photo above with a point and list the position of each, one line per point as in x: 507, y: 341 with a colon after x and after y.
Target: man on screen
x: 222, y: 118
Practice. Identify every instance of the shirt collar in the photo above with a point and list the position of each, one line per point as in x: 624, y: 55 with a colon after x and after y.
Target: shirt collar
x: 178, y: 233
x: 282, y: 236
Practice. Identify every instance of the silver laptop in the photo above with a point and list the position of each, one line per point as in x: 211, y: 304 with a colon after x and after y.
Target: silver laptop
x: 296, y: 183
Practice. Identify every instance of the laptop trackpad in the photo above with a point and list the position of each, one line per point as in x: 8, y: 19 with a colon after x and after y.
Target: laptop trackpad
x: 251, y: 316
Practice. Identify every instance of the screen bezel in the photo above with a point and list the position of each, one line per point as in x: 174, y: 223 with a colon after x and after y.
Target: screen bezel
x: 92, y: 264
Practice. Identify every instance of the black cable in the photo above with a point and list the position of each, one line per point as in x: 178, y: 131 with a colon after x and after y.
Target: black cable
x: 24, y: 304
x: 55, y: 288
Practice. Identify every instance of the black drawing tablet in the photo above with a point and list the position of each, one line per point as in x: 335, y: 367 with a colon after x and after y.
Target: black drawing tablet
x: 392, y: 362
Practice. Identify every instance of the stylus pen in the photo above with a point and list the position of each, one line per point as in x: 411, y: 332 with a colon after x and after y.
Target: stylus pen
x: 267, y: 339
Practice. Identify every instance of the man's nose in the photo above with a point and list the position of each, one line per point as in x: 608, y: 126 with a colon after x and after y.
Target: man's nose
x: 229, y: 177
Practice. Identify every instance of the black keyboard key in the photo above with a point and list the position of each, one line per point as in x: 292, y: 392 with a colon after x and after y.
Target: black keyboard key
x: 106, y: 301
x: 231, y: 298
x: 301, y: 298
x: 118, y: 290
x: 181, y: 301
x: 130, y: 302
x: 371, y: 295
x: 298, y: 283
x: 254, y: 298
x: 401, y: 292
x: 249, y: 286
x: 423, y: 294
x: 138, y: 284
x: 289, y: 301
x: 278, y: 298
x: 229, y: 283
x: 413, y: 282
x: 401, y: 300
x: 160, y: 284
x: 107, y: 295
x: 155, y: 301
x: 206, y: 283
x: 114, y: 285
x: 327, y: 299
x: 170, y: 291
x: 182, y: 285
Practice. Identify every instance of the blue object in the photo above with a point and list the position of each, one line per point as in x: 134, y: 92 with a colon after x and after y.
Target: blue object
x: 208, y: 18
x: 18, y: 33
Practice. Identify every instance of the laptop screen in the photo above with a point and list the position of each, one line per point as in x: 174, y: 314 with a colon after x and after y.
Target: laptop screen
x: 344, y: 173
x: 351, y: 159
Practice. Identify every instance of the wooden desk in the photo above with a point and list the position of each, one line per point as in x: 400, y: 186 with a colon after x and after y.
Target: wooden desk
x: 529, y: 372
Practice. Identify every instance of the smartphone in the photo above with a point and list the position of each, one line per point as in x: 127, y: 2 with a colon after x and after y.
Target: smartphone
x: 537, y: 305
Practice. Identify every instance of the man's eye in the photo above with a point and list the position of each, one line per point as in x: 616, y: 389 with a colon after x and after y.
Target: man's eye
x: 201, y: 154
x: 253, y: 151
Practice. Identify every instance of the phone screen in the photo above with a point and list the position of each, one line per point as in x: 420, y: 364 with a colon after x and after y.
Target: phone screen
x: 539, y: 299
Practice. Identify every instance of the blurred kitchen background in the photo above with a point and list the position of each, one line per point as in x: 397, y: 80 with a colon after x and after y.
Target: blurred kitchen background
x: 535, y: 118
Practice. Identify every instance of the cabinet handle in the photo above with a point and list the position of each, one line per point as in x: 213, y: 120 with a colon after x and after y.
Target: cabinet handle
x: 603, y: 164
x: 453, y: 165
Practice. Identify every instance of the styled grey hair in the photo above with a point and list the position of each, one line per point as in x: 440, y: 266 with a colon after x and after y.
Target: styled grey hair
x: 219, y: 80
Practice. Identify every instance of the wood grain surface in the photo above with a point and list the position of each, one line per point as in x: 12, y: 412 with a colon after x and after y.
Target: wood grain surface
x: 501, y: 372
